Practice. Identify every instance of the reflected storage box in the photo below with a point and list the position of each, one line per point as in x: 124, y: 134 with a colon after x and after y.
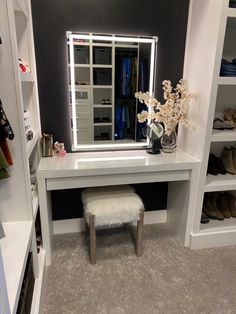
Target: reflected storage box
x: 102, y: 55
x: 102, y: 76
x: 81, y: 55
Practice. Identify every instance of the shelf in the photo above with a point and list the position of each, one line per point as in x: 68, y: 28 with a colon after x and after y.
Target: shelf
x: 220, y: 182
x: 78, y: 65
x: 15, y: 247
x: 26, y: 77
x: 102, y: 66
x: 216, y: 225
x: 80, y: 44
x: 102, y: 141
x: 31, y: 144
x: 225, y: 80
x: 102, y: 45
x: 102, y: 106
x: 231, y: 12
x: 102, y: 86
x: 103, y: 124
x: 223, y: 135
x: 20, y: 6
x: 126, y: 46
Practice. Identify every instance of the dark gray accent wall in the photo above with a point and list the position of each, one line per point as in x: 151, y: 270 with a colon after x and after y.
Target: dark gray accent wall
x: 166, y: 19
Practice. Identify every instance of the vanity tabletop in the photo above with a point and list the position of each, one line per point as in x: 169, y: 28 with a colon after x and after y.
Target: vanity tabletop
x: 113, y: 162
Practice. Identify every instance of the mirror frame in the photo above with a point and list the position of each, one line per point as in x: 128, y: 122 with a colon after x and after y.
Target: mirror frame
x: 111, y: 38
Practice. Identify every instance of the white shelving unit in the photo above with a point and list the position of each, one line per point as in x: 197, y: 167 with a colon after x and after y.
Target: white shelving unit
x: 18, y: 92
x: 216, y: 93
x: 15, y: 247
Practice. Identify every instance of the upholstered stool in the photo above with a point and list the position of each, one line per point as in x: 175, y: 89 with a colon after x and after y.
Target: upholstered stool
x: 113, y: 205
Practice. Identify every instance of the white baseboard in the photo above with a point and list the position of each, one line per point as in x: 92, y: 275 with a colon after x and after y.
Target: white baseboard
x: 212, y: 239
x: 77, y: 225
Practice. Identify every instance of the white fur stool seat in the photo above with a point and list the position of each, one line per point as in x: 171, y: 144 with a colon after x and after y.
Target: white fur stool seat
x: 111, y: 206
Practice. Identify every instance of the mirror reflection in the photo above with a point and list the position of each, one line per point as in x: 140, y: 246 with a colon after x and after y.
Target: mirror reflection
x: 105, y: 71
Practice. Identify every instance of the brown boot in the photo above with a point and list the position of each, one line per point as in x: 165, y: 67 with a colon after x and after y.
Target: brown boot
x: 227, y: 158
x: 209, y: 209
x: 234, y: 156
x: 222, y: 205
x: 212, y: 201
x: 231, y: 204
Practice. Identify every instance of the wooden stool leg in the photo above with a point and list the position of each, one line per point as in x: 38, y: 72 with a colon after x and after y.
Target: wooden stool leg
x: 92, y: 239
x: 86, y: 228
x: 139, y: 234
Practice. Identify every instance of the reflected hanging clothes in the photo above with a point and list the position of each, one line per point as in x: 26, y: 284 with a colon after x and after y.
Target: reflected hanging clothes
x: 122, y: 122
x: 6, y: 132
x: 3, y: 166
x: 5, y: 127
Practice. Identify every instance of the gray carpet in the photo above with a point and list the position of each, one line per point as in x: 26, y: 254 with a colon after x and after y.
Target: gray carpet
x: 167, y: 278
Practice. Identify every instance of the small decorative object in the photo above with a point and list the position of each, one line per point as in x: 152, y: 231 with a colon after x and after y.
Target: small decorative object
x: 59, y: 149
x: 47, y: 145
x: 24, y: 66
x: 172, y: 112
x: 153, y: 131
x: 29, y: 134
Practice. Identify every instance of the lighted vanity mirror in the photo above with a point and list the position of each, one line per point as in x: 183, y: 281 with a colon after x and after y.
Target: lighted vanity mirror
x: 105, y: 71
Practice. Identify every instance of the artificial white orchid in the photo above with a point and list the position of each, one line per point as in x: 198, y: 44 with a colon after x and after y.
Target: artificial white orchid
x: 173, y: 111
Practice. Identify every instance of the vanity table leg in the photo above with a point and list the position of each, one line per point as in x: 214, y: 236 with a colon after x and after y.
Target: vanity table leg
x: 46, y: 218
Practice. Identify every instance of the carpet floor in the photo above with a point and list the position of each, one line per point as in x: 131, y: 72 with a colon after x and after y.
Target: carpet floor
x: 167, y: 278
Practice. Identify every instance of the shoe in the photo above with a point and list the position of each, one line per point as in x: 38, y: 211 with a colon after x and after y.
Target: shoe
x: 227, y: 158
x: 108, y: 102
x: 105, y: 136
x: 105, y: 120
x: 222, y: 205
x: 209, y: 210
x: 215, y: 165
x: 204, y: 219
x: 220, y: 124
x: 231, y: 204
x: 212, y: 166
x: 97, y: 120
x: 228, y: 114
x: 212, y: 199
x: 234, y: 155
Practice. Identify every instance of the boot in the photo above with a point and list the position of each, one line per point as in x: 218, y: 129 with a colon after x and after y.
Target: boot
x: 212, y: 165
x: 227, y: 158
x: 209, y: 210
x: 234, y: 156
x: 212, y: 200
x: 231, y: 204
x: 222, y: 205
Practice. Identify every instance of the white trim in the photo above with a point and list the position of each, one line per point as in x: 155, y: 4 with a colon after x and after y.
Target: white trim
x: 77, y: 224
x: 72, y: 81
x: 113, y: 38
x: 35, y: 307
x: 212, y: 239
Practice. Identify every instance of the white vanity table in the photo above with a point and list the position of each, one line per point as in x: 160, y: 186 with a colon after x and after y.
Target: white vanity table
x: 79, y: 170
